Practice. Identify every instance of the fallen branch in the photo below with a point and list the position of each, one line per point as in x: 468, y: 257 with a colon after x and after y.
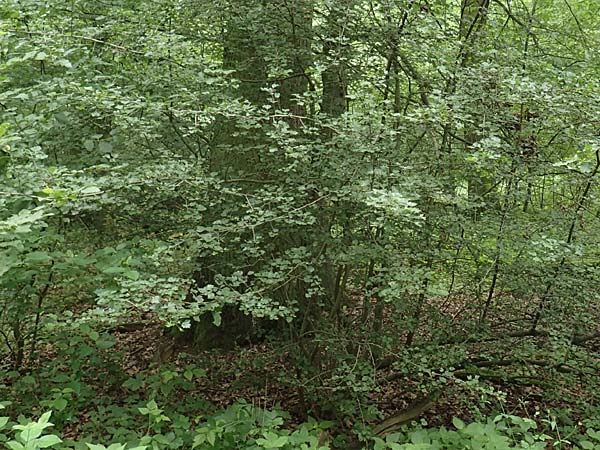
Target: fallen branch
x: 578, y: 339
x: 468, y: 367
x: 417, y: 408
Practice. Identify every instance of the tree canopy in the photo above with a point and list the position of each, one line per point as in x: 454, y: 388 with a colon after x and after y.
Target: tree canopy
x: 398, y: 199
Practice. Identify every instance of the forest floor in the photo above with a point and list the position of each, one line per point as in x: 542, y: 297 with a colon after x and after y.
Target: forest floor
x: 258, y: 374
x: 263, y: 375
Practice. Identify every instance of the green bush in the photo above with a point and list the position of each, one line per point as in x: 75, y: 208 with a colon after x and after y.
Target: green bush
x: 243, y: 426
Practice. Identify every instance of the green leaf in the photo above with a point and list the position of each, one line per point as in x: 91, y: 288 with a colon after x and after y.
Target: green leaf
x: 59, y: 404
x: 90, y: 190
x: 104, y: 344
x: 7, y: 262
x: 459, y: 424
x: 131, y: 274
x: 379, y: 444
x: 28, y: 379
x: 117, y: 446
x: 64, y: 63
x: 96, y: 446
x: 30, y: 431
x: 88, y: 145
x: 105, y: 147
x: 113, y: 270
x: 271, y: 440
x: 199, y: 439
x: 4, y: 128
x: 593, y: 434
x: 211, y: 437
x: 37, y: 257
x: 152, y: 405
x: 14, y: 445
x: 48, y: 441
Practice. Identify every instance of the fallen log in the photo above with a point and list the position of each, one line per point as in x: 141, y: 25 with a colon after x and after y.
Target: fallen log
x: 417, y: 408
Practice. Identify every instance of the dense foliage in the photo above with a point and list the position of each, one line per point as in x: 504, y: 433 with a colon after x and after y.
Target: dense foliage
x: 394, y: 200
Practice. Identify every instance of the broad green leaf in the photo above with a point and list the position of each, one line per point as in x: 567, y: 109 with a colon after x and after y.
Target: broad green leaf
x: 211, y: 437
x: 132, y: 274
x: 14, y: 445
x: 271, y: 440
x: 96, y: 446
x: 117, y: 446
x: 48, y: 441
x: 64, y: 63
x: 113, y: 270
x: 37, y: 257
x: 104, y: 344
x: 90, y: 190
x: 44, y: 418
x: 458, y: 424
x: 105, y: 147
x: 59, y: 404
x: 30, y: 431
x: 88, y: 144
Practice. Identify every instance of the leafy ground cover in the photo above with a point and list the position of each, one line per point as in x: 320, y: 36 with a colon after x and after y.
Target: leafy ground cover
x: 119, y: 388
